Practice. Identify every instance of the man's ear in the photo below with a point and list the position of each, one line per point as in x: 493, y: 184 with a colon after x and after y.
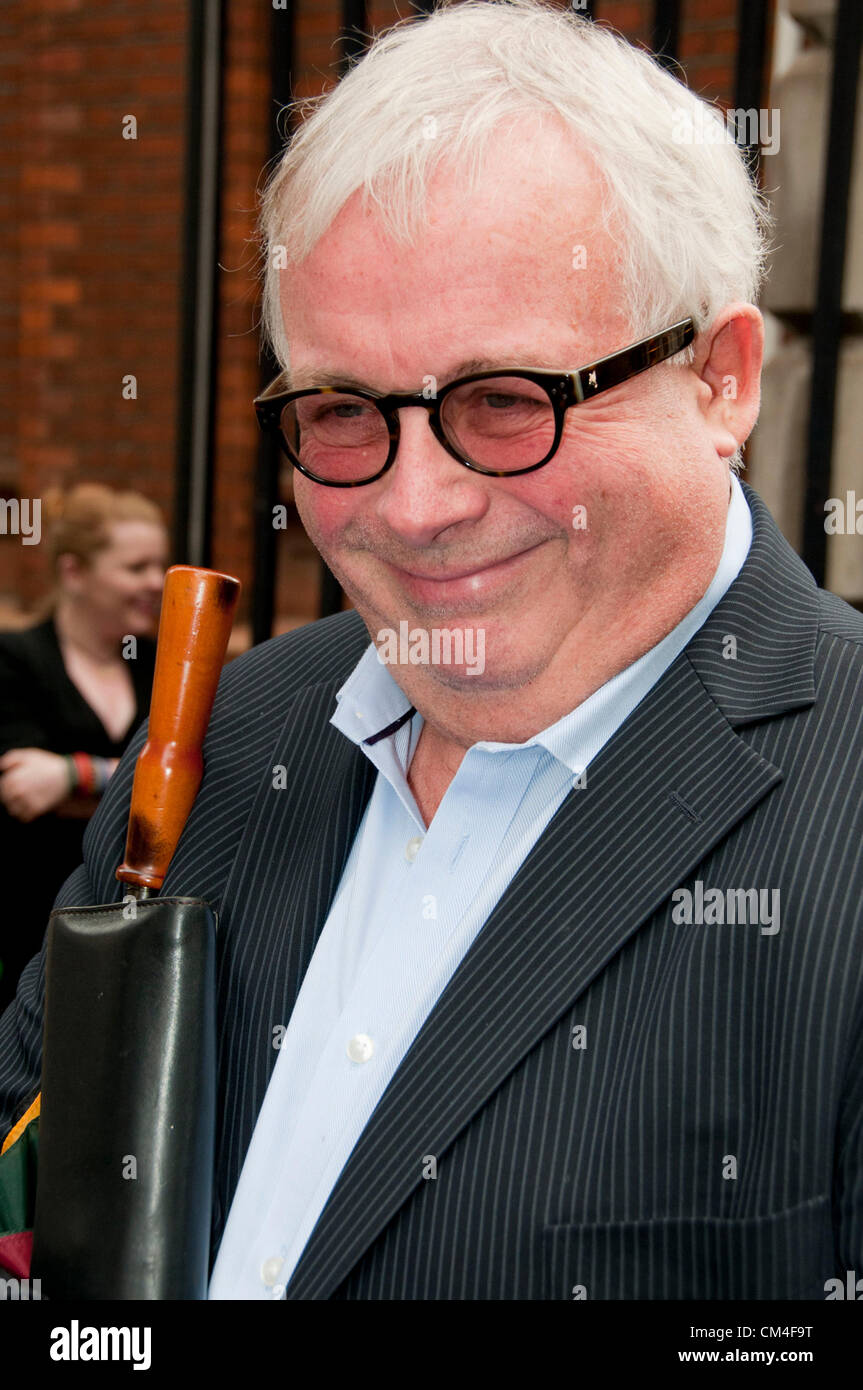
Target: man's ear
x: 728, y: 360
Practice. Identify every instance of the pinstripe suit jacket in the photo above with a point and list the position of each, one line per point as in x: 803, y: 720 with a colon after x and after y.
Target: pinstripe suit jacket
x: 704, y: 1137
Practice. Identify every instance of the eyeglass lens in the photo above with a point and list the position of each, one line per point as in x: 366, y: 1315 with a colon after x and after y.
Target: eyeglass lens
x: 498, y: 423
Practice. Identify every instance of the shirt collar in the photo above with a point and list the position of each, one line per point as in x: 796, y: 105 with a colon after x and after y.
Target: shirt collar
x: 371, y: 704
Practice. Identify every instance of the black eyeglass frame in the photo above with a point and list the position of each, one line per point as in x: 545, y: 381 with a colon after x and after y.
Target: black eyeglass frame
x: 564, y: 390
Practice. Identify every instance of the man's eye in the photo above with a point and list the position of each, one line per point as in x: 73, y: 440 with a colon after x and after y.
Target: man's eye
x: 347, y: 410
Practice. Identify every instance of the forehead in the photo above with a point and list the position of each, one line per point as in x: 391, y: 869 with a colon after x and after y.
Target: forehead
x: 134, y: 535
x: 526, y: 258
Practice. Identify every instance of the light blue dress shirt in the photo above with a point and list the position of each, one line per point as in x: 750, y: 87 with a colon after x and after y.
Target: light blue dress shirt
x: 410, y: 903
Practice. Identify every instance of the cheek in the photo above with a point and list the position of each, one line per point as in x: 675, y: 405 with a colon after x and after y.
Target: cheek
x: 119, y: 585
x: 104, y: 587
x: 562, y: 494
x: 305, y: 510
x: 609, y: 461
x: 324, y: 512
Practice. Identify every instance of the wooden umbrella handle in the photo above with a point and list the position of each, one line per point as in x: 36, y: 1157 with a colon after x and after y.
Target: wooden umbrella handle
x: 197, y: 612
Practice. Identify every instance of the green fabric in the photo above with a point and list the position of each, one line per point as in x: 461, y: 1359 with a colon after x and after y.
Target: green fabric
x: 18, y: 1182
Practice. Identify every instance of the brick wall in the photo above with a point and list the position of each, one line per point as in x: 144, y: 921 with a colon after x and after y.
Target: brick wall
x: 90, y: 290
x: 91, y: 249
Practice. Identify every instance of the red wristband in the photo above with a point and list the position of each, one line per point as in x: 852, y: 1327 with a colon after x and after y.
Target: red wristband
x: 86, y: 775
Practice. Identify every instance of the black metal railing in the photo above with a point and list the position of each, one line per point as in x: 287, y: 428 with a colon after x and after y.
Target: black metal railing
x: 267, y: 492
x: 199, y: 307
x: 827, y: 314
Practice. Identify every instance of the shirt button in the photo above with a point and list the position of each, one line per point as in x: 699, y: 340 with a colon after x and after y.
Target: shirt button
x: 271, y: 1269
x: 412, y: 848
x: 279, y: 1291
x: 360, y: 1047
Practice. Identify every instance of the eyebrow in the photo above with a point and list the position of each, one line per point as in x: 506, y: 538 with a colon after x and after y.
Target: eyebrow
x: 307, y: 377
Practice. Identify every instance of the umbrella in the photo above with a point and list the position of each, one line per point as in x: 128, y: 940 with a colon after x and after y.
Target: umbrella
x: 126, y: 1131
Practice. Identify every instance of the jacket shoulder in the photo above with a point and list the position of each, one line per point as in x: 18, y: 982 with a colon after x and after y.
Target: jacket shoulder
x: 274, y: 672
x: 23, y: 645
x: 252, y: 702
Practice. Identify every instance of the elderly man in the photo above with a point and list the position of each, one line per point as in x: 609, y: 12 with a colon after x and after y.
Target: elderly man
x: 540, y: 911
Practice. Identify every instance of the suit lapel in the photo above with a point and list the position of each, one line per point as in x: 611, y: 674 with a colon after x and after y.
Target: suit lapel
x: 668, y: 787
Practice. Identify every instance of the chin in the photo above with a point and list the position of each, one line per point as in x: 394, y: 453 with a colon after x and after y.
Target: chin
x: 141, y: 624
x: 491, y: 682
x: 482, y: 678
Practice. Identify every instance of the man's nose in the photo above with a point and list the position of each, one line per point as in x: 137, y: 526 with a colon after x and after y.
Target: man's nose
x: 426, y: 490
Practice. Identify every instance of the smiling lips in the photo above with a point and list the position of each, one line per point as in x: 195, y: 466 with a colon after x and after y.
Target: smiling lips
x: 462, y: 583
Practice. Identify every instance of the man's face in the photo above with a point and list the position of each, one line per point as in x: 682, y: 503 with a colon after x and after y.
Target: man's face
x: 549, y: 560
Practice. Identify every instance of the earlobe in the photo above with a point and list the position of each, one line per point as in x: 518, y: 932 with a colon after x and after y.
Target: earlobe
x: 732, y: 373
x: 725, y: 442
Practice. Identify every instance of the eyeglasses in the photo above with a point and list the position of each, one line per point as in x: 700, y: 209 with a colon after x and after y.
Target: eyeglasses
x: 500, y: 423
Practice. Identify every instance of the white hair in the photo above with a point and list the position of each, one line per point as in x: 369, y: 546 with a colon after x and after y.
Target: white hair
x: 694, y: 222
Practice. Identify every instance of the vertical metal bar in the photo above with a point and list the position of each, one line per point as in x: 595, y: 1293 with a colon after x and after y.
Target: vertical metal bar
x: 263, y: 606
x: 750, y: 66
x: 353, y: 31
x: 200, y: 304
x: 750, y: 77
x: 665, y: 34
x: 355, y: 22
x: 827, y: 317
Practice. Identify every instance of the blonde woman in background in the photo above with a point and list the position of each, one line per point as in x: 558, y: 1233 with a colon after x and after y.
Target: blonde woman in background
x: 73, y: 689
